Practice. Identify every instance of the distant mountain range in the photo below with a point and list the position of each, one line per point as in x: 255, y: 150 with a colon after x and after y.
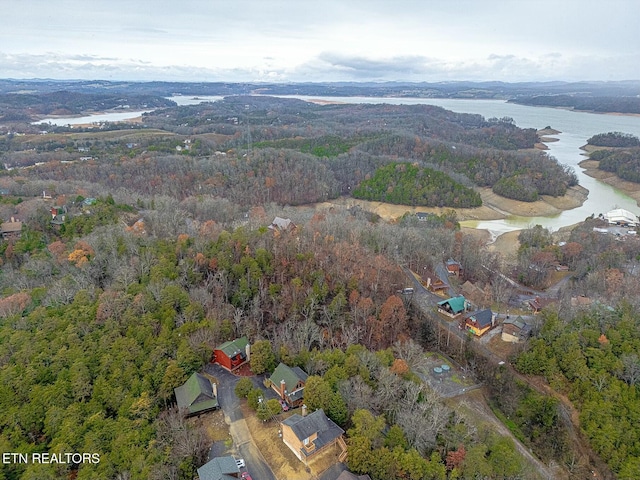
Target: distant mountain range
x: 497, y: 90
x: 620, y: 97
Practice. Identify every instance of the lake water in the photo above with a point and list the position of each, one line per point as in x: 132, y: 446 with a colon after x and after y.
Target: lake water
x: 97, y: 118
x: 125, y: 115
x: 576, y: 128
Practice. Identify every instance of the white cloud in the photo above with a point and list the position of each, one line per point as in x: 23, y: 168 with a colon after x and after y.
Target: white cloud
x: 509, y: 40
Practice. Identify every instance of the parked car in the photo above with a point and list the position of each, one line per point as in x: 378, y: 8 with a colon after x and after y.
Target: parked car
x: 406, y: 291
x: 246, y: 476
x: 240, y: 462
x: 283, y: 404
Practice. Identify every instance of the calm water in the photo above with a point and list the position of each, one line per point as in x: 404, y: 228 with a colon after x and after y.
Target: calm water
x: 128, y: 115
x: 97, y: 118
x: 576, y: 128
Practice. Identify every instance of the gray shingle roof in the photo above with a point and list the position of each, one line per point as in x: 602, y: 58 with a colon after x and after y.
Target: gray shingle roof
x: 220, y: 468
x: 316, y: 422
x: 482, y: 317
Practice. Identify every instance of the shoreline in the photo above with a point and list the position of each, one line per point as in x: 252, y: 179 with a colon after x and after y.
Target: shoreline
x: 630, y: 188
x: 571, y: 109
x: 493, y: 206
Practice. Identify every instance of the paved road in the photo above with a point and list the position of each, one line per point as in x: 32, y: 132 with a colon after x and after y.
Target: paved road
x: 244, y: 445
x: 426, y: 301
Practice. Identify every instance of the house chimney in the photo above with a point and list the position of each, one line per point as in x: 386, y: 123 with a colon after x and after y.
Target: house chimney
x: 215, y: 389
x: 283, y: 388
x: 247, y: 350
x: 428, y: 282
x: 304, y: 410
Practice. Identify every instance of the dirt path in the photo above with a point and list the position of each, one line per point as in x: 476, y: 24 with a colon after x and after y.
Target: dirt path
x: 477, y: 402
x: 572, y: 420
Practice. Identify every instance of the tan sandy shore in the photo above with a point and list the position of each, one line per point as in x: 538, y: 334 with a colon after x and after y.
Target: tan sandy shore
x: 494, y: 207
x: 630, y: 188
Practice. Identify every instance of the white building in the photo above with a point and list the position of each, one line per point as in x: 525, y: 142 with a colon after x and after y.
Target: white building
x: 620, y: 216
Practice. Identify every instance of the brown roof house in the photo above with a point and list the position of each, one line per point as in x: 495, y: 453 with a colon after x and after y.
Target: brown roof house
x: 11, y: 229
x: 454, y: 267
x: 288, y: 383
x: 538, y: 303
x: 197, y: 395
x: 308, y: 435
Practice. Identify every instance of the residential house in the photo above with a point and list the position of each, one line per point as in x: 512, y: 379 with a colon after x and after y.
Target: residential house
x: 58, y: 216
x: 308, y: 435
x: 281, y: 225
x: 422, y: 217
x: 437, y: 286
x: 11, y: 229
x: 515, y: 330
x: 474, y: 293
x: 480, y: 322
x: 232, y: 354
x: 454, y: 268
x: 197, y: 395
x: 220, y: 468
x: 454, y: 306
x: 288, y: 383
x: 538, y: 303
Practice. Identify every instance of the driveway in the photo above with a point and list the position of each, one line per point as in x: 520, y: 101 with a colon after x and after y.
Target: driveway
x: 230, y: 404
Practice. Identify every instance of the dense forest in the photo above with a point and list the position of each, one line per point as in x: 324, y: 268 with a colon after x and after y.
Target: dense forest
x: 252, y: 150
x: 28, y: 106
x: 99, y: 323
x: 449, y: 89
x: 165, y: 250
x: 600, y: 104
x: 406, y: 184
x: 622, y: 156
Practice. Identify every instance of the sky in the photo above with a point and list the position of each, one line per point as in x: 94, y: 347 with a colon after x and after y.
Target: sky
x: 321, y: 40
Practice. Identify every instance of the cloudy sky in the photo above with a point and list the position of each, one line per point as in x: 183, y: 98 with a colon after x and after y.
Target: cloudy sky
x: 321, y: 40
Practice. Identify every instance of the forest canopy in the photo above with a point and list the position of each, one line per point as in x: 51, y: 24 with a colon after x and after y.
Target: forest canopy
x: 407, y: 184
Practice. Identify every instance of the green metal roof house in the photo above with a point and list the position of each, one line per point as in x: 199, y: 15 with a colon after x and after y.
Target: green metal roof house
x: 453, y: 306
x: 197, y: 395
x: 232, y: 354
x: 289, y: 383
